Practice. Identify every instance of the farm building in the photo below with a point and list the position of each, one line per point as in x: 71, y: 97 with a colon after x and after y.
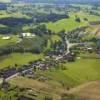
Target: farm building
x: 27, y: 35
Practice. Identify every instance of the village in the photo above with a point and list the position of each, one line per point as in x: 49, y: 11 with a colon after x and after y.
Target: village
x: 49, y: 51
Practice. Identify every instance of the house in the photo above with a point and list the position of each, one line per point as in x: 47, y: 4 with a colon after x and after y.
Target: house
x: 70, y: 57
x: 8, y: 72
x: 27, y: 35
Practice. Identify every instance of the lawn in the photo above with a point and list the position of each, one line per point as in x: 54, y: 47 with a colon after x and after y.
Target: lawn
x: 70, y: 23
x: 18, y: 58
x: 12, y: 40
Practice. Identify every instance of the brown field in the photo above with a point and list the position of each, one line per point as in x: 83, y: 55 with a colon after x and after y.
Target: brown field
x: 86, y: 91
x: 38, y: 86
x: 89, y: 91
x: 94, y: 30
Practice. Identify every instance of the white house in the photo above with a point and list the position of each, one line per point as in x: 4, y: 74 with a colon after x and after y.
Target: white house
x: 27, y: 35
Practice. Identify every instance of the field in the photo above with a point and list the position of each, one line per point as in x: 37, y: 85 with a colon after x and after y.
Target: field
x: 18, y: 58
x: 89, y: 90
x: 94, y: 30
x: 43, y: 88
x: 70, y: 23
x: 80, y: 77
x: 76, y: 73
x: 12, y: 40
x: 4, y: 14
x: 79, y: 72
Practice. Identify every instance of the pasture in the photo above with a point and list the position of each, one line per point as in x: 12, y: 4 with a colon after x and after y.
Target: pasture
x: 18, y: 58
x: 62, y: 81
x: 12, y: 40
x: 78, y: 72
x: 70, y: 23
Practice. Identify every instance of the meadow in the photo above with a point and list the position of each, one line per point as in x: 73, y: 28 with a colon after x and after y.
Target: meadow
x: 78, y: 72
x: 70, y: 23
x: 18, y: 58
x: 12, y: 40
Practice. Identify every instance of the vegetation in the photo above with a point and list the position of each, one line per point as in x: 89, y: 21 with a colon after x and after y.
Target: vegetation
x: 49, y: 48
x: 18, y: 58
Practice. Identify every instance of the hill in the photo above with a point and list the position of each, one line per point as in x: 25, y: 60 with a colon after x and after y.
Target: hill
x: 5, y: 1
x: 57, y: 1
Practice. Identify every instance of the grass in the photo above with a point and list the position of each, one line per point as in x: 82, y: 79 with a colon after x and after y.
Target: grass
x: 18, y: 58
x: 36, y: 85
x: 55, y: 38
x: 78, y: 72
x: 67, y: 24
x: 4, y: 14
x: 12, y: 40
x: 2, y: 26
x: 70, y: 23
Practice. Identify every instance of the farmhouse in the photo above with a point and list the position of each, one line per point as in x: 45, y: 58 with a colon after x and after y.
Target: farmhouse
x: 70, y: 57
x: 27, y: 35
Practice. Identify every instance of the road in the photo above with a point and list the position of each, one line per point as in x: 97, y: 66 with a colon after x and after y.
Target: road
x: 69, y: 45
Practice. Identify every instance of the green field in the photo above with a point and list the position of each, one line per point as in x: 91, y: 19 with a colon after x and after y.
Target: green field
x: 18, y: 58
x: 4, y: 14
x: 78, y: 72
x: 58, y: 81
x: 70, y: 23
x: 12, y: 40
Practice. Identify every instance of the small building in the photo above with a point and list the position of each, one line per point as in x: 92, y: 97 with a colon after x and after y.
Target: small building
x: 70, y: 57
x: 27, y: 35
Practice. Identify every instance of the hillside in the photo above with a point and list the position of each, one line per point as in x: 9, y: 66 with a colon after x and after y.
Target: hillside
x: 57, y: 1
x: 5, y: 1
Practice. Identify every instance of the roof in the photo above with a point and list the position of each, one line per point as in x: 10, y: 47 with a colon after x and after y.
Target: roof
x: 28, y: 34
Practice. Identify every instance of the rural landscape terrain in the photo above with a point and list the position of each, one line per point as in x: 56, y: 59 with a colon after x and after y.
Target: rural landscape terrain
x: 49, y: 49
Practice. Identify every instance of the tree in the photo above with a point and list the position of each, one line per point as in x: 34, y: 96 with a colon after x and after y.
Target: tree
x: 78, y: 19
